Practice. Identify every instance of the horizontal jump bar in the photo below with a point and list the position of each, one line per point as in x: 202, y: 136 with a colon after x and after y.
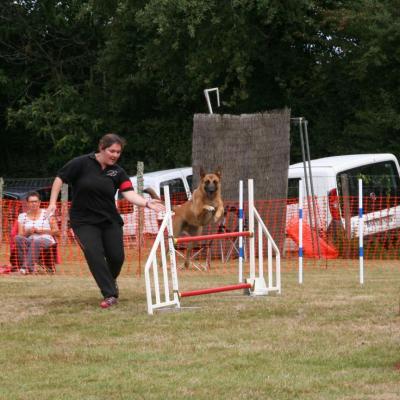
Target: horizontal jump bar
x: 226, y: 235
x: 216, y: 290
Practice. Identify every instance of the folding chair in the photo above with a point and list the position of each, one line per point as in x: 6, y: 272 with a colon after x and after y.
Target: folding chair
x: 48, y: 258
x: 230, y: 247
x: 199, y: 258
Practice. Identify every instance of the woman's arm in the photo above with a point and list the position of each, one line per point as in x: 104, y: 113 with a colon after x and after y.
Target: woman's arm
x: 55, y: 191
x: 140, y: 201
x: 21, y: 230
x: 54, y: 231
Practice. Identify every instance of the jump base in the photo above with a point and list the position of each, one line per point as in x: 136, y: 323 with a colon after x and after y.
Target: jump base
x: 259, y: 287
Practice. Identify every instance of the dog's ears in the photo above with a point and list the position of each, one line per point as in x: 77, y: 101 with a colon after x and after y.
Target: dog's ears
x: 217, y: 172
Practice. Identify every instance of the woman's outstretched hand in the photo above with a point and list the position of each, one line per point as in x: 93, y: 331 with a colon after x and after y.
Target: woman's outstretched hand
x: 51, y: 209
x: 155, y: 205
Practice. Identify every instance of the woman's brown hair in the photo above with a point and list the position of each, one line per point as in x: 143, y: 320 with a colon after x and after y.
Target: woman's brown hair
x: 109, y: 139
x: 33, y: 194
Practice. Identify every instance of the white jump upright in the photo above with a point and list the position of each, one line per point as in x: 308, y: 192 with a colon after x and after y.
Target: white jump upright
x: 256, y: 285
x: 241, y: 248
x: 361, y: 231
x: 260, y: 287
x: 300, y: 231
x: 153, y: 292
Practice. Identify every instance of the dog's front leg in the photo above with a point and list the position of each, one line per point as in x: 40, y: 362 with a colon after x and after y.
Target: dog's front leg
x: 218, y: 214
x: 188, y: 255
x: 206, y: 215
x: 192, y: 231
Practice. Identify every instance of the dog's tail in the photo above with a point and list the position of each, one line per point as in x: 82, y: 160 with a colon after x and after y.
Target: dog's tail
x: 152, y: 193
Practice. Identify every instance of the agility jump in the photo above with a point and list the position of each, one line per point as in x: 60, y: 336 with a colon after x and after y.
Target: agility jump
x: 255, y: 285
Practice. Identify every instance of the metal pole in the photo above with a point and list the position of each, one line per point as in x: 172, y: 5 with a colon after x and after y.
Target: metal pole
x: 312, y: 187
x: 303, y: 154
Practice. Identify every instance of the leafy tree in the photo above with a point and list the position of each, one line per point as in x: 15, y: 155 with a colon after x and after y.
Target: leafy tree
x: 71, y: 70
x: 49, y: 51
x: 161, y: 55
x: 351, y: 95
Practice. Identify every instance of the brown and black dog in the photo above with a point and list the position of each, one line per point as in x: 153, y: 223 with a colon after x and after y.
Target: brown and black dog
x: 205, y: 207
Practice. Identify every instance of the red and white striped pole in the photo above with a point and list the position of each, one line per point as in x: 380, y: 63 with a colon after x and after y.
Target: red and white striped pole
x: 226, y: 235
x: 216, y: 290
x: 241, y: 250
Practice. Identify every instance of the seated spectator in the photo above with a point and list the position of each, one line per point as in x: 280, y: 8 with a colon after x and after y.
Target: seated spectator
x: 36, y: 231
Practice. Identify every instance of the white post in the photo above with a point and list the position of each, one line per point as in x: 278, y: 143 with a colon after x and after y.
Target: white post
x: 251, y: 229
x: 300, y: 231
x: 155, y: 280
x: 149, y: 264
x: 278, y: 271
x: 260, y: 287
x: 207, y: 95
x: 165, y: 270
x: 260, y: 253
x: 360, y: 230
x: 270, y: 265
x: 241, y: 252
x: 171, y: 247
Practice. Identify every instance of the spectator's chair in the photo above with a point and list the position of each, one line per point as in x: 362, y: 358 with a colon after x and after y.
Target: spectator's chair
x: 48, y: 258
x: 199, y: 258
x: 230, y: 223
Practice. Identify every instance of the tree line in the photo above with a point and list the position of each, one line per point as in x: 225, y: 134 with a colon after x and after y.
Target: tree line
x: 71, y: 70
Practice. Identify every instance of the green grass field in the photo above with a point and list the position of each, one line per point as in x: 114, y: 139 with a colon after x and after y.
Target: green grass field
x: 327, y: 339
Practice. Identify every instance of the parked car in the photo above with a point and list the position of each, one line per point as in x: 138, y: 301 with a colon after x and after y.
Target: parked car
x: 335, y: 181
x: 179, y: 181
x: 20, y: 193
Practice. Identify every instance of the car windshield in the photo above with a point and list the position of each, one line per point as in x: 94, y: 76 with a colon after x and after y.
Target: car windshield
x: 381, y: 187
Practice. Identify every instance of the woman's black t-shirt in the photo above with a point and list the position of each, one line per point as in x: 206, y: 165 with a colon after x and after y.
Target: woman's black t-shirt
x: 93, y: 190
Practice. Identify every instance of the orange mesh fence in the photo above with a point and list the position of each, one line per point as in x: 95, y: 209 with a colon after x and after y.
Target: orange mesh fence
x: 329, y: 239
x: 340, y: 231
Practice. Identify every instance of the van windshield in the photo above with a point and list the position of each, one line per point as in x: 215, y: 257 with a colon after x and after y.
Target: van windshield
x: 381, y: 187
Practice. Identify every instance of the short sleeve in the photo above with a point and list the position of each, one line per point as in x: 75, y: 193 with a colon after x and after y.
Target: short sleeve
x: 71, y: 170
x: 125, y: 184
x: 21, y: 218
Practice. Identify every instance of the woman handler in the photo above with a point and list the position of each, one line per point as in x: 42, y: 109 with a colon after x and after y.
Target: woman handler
x: 95, y: 178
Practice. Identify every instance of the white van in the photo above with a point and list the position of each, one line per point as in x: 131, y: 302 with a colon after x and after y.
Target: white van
x: 179, y: 181
x: 335, y: 181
